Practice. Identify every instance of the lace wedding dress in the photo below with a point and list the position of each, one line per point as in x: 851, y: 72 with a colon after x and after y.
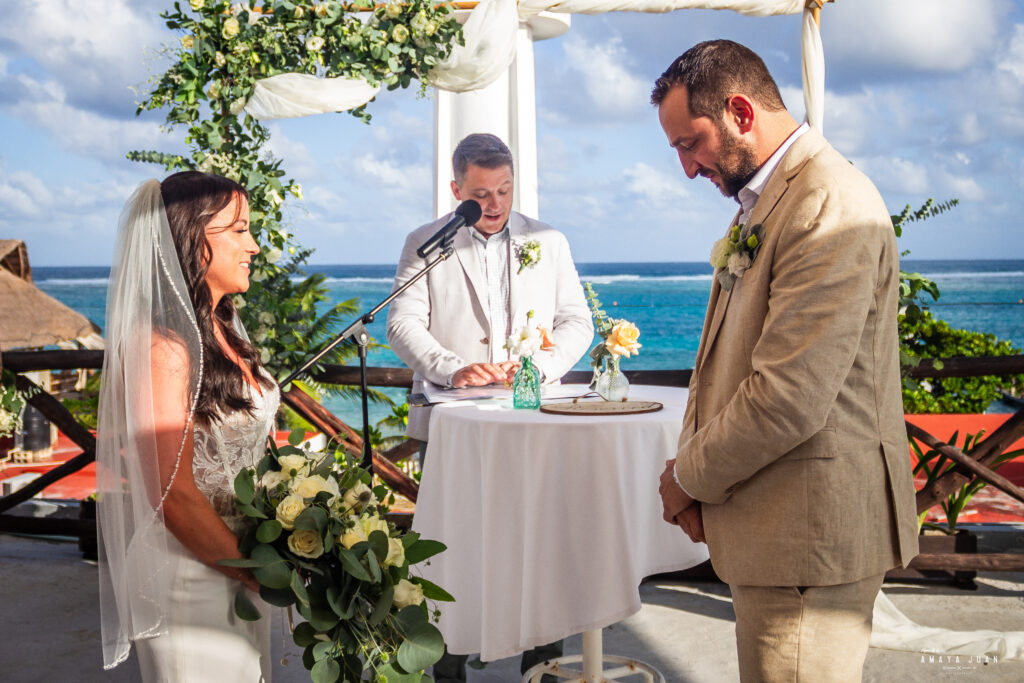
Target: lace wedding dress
x: 205, y: 640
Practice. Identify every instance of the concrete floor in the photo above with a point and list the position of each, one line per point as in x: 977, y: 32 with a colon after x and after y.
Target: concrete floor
x: 49, y: 630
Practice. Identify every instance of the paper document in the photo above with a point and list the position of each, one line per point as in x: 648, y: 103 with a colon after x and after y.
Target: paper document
x: 438, y: 394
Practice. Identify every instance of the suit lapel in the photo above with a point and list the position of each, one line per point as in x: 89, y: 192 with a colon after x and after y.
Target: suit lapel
x: 792, y: 162
x: 465, y: 250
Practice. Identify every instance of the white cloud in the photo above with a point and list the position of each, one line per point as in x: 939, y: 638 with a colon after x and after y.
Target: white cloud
x: 294, y: 155
x: 922, y: 35
x: 895, y: 175
x: 653, y: 186
x: 1013, y: 58
x: 603, y: 70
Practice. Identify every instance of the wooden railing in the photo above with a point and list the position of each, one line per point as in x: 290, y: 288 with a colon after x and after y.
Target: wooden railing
x: 972, y: 464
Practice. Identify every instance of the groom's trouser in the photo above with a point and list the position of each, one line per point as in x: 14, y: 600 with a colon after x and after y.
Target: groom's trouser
x: 814, y: 634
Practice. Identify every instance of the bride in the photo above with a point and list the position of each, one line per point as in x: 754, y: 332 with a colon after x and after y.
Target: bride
x: 184, y: 405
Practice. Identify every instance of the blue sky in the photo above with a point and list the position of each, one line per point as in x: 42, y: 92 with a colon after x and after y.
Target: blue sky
x: 923, y: 95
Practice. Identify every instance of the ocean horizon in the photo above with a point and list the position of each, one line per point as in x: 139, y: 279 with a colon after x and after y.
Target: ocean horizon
x: 666, y: 300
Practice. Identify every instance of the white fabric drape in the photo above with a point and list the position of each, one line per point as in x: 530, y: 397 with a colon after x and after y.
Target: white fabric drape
x: 287, y: 96
x: 490, y: 35
x: 893, y: 630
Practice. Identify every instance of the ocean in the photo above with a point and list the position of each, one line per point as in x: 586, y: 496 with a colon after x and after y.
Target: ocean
x: 666, y: 301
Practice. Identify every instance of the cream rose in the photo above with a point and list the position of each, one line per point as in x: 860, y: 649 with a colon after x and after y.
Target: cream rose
x: 359, y: 496
x: 219, y: 59
x: 622, y: 340
x: 393, y: 10
x: 408, y: 593
x: 353, y: 534
x: 289, y: 509
x: 400, y: 34
x: 306, y: 543
x: 720, y: 253
x: 396, y: 553
x: 231, y: 28
x: 373, y: 522
x: 294, y: 465
x: 188, y: 42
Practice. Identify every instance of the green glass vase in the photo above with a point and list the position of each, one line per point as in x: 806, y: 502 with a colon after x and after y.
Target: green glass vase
x: 526, y: 386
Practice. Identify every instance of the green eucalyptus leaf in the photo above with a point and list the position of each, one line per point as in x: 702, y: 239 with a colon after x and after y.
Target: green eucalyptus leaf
x: 299, y: 588
x: 423, y: 549
x: 240, y: 562
x: 423, y: 646
x: 313, y: 517
x: 245, y: 489
x: 277, y: 597
x: 274, y: 572
x: 379, y: 543
x: 304, y: 634
x: 432, y: 591
x: 244, y: 607
x: 325, y: 671
x: 296, y: 436
x: 352, y: 564
x: 268, y: 531
x: 383, y: 605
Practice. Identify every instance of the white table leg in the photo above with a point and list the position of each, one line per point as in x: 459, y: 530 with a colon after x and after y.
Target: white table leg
x: 593, y: 656
x: 593, y: 660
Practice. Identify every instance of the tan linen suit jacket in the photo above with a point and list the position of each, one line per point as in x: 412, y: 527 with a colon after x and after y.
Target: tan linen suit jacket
x: 793, y: 437
x: 439, y: 325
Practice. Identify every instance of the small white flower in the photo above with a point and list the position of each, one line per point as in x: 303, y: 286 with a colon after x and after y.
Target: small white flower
x: 296, y: 190
x: 206, y: 165
x: 260, y: 335
x: 267, y: 318
x: 273, y: 255
x: 264, y: 356
x: 220, y: 60
x: 239, y: 301
x: 257, y: 275
x: 237, y: 106
x: 314, y: 43
x: 419, y: 23
x: 213, y: 92
x: 275, y: 197
x: 739, y: 261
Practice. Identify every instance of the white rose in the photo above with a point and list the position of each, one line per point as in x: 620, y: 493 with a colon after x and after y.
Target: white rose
x: 267, y: 318
x: 306, y: 543
x: 359, y: 496
x: 393, y: 10
x: 239, y: 302
x: 314, y: 43
x: 289, y: 509
x: 408, y: 593
x: 354, y: 534
x: 237, y: 106
x: 738, y: 263
x: 309, y: 487
x: 273, y: 255
x: 294, y: 465
x: 271, y: 478
x: 396, y: 553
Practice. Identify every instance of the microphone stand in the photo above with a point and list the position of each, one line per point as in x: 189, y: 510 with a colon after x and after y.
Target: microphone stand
x: 357, y: 330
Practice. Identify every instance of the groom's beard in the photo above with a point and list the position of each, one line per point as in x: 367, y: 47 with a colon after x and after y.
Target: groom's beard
x: 739, y: 163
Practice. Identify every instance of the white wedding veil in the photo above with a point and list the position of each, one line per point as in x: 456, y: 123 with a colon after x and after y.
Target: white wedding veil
x: 147, y: 305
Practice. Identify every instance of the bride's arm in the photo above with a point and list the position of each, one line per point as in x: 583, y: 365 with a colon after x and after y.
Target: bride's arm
x: 187, y: 512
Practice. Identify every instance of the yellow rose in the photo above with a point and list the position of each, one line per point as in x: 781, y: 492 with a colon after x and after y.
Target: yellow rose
x: 231, y: 28
x: 396, y: 553
x: 353, y: 534
x: 294, y: 465
x: 306, y: 543
x: 289, y: 509
x: 622, y: 340
x: 188, y: 42
x: 197, y: 4
x: 408, y: 593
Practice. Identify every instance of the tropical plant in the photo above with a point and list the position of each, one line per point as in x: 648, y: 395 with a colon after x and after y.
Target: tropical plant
x: 923, y: 336
x: 11, y: 404
x: 224, y: 49
x: 934, y: 464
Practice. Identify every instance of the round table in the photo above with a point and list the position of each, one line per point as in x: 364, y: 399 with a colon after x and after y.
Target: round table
x: 551, y: 521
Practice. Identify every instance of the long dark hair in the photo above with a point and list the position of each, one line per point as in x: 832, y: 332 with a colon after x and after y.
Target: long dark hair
x: 191, y: 199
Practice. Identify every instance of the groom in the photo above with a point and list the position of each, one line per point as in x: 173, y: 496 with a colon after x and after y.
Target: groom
x: 792, y: 461
x: 451, y: 326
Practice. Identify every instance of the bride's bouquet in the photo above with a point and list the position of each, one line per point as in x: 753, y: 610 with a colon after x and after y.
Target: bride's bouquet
x: 317, y: 540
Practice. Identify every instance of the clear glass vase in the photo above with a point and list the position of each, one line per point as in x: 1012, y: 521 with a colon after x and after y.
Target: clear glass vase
x: 526, y: 386
x: 611, y: 384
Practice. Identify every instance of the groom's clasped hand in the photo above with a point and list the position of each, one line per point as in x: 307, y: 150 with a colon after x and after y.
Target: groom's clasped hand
x: 678, y: 507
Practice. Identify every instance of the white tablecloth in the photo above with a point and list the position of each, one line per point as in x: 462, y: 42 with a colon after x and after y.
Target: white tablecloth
x: 551, y: 522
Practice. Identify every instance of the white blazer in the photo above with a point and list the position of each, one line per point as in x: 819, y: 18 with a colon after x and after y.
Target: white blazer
x: 439, y: 325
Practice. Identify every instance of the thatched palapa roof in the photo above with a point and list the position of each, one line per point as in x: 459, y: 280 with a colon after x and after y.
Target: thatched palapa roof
x: 29, y: 317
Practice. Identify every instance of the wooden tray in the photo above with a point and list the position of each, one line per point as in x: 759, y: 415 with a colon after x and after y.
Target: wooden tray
x: 601, y: 407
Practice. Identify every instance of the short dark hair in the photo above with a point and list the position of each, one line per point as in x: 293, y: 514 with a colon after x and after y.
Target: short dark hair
x: 714, y: 71
x: 483, y: 150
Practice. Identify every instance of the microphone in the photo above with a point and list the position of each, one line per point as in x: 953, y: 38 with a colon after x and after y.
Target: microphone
x: 468, y: 213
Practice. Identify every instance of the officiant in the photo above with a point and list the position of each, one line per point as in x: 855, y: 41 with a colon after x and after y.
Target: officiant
x: 450, y: 327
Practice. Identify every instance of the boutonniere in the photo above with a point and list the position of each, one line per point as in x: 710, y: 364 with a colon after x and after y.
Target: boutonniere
x: 528, y: 254
x: 735, y: 252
